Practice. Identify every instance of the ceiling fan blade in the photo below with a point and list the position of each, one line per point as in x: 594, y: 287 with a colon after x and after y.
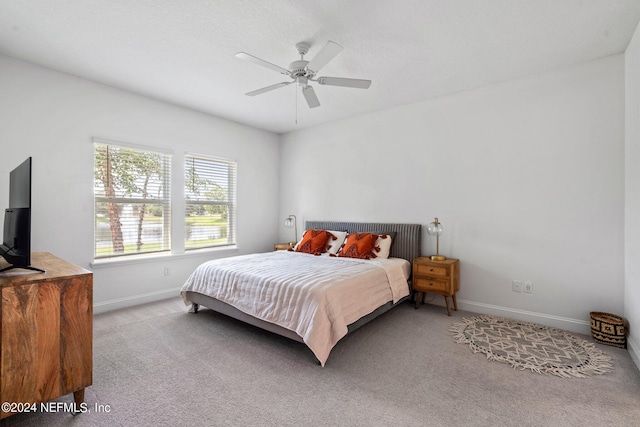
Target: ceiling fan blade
x: 341, y: 81
x: 310, y: 96
x: 326, y: 54
x: 255, y: 60
x: 268, y: 88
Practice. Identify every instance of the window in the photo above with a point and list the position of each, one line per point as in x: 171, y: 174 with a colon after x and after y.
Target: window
x: 132, y: 200
x: 210, y: 202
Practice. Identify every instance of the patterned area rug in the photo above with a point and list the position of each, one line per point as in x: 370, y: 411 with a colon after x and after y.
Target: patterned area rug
x: 530, y: 346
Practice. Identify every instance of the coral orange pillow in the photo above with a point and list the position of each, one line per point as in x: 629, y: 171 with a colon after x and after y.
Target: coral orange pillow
x: 359, y: 245
x: 314, y: 242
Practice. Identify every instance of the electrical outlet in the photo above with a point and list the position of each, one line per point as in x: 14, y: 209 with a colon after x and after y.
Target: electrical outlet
x: 528, y: 287
x: 516, y: 286
x: 167, y: 272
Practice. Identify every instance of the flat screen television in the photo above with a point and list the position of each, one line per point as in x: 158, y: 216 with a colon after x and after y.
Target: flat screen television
x: 16, y: 238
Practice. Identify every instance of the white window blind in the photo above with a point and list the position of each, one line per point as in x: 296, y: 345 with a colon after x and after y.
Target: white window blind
x: 210, y: 202
x: 132, y: 200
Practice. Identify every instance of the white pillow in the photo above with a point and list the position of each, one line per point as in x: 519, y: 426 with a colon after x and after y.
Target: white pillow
x: 334, y: 245
x: 384, y: 244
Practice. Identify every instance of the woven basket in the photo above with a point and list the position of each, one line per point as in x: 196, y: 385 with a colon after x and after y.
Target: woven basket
x: 608, y: 329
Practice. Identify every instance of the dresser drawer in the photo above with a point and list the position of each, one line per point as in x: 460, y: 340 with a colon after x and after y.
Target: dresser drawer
x: 429, y: 284
x: 431, y: 270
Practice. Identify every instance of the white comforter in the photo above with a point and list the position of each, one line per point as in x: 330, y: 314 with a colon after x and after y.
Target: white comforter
x: 315, y: 296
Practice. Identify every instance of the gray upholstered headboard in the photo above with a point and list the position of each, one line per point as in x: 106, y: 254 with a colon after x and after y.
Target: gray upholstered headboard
x: 406, y: 244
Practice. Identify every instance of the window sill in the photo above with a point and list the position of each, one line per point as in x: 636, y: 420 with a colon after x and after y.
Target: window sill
x: 142, y: 259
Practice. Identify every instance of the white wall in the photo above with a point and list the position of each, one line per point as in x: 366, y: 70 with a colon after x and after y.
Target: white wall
x: 526, y: 176
x: 53, y: 117
x: 632, y: 196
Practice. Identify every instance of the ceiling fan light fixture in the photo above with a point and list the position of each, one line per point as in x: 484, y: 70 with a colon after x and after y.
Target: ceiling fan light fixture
x: 303, y: 72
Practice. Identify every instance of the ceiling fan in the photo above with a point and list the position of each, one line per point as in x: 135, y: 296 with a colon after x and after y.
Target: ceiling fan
x: 302, y: 72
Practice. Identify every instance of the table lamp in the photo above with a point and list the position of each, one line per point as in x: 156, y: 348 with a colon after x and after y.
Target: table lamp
x: 292, y: 222
x: 435, y: 229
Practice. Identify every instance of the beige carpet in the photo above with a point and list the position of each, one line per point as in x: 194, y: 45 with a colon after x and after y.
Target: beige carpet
x: 157, y: 365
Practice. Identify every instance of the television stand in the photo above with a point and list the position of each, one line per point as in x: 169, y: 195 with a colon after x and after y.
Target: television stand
x: 26, y: 267
x: 46, y: 324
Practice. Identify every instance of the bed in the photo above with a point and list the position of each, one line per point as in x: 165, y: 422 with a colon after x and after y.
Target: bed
x: 316, y: 300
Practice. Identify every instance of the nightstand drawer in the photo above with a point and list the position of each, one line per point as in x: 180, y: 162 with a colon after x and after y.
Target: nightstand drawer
x: 428, y: 284
x: 431, y: 270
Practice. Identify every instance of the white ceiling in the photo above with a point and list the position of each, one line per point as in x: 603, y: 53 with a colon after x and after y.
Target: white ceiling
x: 183, y: 51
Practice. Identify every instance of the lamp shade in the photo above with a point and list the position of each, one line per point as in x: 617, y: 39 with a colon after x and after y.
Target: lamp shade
x: 292, y: 222
x: 435, y: 228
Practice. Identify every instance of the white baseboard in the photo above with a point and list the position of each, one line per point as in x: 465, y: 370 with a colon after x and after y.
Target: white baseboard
x: 573, y: 325
x: 568, y: 324
x: 634, y: 352
x: 115, y: 304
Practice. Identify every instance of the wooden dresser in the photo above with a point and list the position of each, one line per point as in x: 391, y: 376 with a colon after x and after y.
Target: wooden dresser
x: 46, y: 332
x: 440, y: 277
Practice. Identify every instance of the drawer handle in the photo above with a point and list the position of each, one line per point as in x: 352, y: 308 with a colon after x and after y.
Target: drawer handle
x: 431, y: 269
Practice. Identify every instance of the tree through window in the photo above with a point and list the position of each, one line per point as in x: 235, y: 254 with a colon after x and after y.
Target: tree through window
x: 210, y: 202
x: 132, y: 200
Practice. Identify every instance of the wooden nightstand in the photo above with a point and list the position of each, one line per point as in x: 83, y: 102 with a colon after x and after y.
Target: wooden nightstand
x: 282, y: 246
x: 440, y: 277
